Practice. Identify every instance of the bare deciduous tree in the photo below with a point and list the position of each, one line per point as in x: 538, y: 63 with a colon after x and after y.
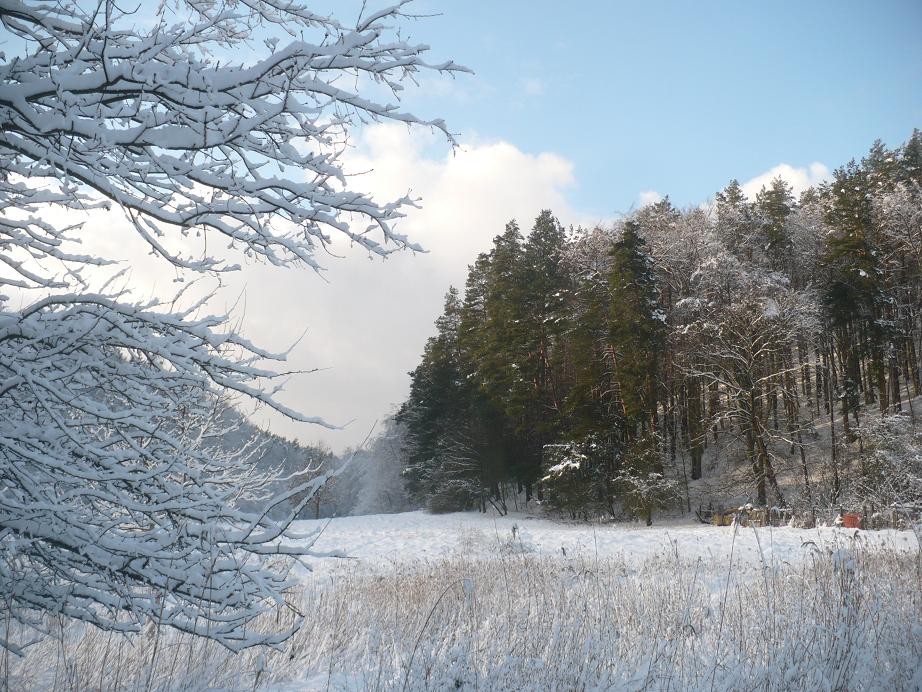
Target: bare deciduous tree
x: 204, y: 128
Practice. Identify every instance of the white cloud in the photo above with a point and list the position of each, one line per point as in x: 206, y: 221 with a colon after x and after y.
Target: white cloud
x: 648, y: 197
x: 798, y: 178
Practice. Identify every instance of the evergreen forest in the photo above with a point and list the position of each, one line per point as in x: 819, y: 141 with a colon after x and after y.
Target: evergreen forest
x: 775, y: 341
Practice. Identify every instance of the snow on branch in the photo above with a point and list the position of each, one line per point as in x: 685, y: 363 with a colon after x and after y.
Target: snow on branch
x: 153, y: 120
x: 113, y: 498
x: 117, y: 504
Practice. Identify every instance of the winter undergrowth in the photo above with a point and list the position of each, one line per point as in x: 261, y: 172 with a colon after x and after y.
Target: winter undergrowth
x: 844, y: 616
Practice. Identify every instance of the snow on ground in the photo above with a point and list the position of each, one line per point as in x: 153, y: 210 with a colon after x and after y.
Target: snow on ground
x: 378, y: 541
x: 460, y: 601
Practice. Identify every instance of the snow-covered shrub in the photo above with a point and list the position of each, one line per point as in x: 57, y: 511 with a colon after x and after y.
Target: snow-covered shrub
x: 569, y: 484
x: 518, y: 541
x: 453, y: 495
x: 641, y: 483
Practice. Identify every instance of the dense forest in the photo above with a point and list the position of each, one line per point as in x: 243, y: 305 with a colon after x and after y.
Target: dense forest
x: 609, y: 369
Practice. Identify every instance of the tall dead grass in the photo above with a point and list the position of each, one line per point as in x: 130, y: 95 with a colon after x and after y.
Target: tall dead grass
x: 845, y: 616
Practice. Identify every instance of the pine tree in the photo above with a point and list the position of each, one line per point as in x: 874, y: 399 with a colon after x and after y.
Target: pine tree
x: 636, y: 330
x: 774, y: 204
x: 735, y: 224
x: 641, y: 481
x: 544, y: 286
x: 433, y: 414
x: 849, y: 263
x: 911, y: 159
x: 591, y: 405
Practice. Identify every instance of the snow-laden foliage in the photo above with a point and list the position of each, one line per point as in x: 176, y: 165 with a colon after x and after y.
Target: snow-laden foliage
x: 890, y: 460
x: 641, y: 480
x: 115, y: 496
x: 166, y: 123
x: 211, y: 125
x: 568, y: 484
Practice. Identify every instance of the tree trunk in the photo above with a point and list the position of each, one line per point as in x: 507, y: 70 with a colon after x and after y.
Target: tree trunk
x: 830, y: 378
x: 755, y: 461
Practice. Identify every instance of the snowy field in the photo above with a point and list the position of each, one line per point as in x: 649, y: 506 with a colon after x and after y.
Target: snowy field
x: 468, y: 601
x: 377, y: 541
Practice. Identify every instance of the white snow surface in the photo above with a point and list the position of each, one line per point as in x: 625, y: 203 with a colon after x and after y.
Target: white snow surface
x: 375, y: 542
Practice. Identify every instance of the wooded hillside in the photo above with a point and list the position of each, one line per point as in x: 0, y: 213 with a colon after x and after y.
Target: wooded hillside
x: 596, y: 367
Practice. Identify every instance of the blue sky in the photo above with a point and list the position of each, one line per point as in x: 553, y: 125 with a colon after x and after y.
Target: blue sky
x: 677, y: 97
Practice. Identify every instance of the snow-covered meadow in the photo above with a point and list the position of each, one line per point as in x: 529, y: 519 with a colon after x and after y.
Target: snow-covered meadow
x: 473, y: 601
x: 372, y: 543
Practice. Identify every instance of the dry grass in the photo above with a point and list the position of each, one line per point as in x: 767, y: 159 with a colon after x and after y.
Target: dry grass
x: 844, y: 617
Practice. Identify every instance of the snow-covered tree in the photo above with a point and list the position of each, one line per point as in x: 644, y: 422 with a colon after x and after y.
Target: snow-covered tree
x: 209, y: 124
x: 568, y: 482
x: 746, y: 326
x: 890, y: 462
x: 640, y: 480
x: 318, y: 462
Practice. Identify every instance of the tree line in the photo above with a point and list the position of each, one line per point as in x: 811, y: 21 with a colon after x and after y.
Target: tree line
x: 608, y: 368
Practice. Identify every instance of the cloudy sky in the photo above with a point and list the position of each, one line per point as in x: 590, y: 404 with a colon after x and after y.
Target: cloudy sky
x: 589, y: 109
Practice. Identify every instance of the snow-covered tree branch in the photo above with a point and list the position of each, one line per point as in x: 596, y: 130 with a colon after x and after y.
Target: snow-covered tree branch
x: 202, y: 124
x: 165, y: 123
